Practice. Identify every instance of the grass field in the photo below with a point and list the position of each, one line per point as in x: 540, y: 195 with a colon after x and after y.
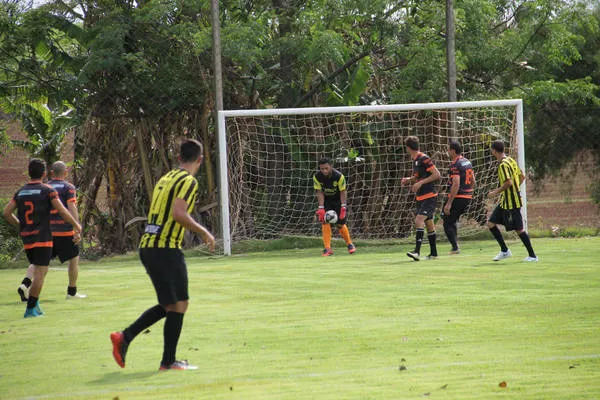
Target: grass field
x: 294, y: 325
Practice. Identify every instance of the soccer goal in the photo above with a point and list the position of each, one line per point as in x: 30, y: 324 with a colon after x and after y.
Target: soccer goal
x: 267, y: 158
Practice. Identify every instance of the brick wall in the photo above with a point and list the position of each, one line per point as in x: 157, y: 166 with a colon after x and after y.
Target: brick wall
x: 13, y: 164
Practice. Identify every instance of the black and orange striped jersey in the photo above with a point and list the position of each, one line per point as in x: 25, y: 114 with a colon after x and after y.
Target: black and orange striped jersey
x: 34, y: 203
x: 464, y: 169
x: 162, y: 231
x: 67, y: 194
x: 511, y: 197
x: 330, y: 185
x: 422, y: 168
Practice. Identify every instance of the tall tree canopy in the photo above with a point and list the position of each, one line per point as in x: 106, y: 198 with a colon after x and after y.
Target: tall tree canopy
x: 132, y: 76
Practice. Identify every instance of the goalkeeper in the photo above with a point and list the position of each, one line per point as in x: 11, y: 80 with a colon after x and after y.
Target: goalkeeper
x: 330, y: 187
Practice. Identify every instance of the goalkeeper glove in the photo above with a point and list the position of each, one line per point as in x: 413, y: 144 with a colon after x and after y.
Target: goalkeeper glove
x: 321, y: 214
x: 343, y: 211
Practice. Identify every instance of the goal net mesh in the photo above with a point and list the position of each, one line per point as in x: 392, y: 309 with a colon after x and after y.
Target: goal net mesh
x: 271, y: 159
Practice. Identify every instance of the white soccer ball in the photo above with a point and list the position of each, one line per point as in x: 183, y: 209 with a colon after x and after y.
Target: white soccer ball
x: 331, y: 217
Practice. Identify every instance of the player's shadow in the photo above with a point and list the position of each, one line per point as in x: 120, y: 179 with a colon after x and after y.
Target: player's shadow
x: 120, y: 377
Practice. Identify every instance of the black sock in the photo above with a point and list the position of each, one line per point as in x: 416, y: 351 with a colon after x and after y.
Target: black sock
x: 420, y: 234
x: 32, y: 302
x: 26, y: 281
x: 496, y: 232
x: 432, y: 238
x: 148, y: 318
x: 71, y: 290
x: 172, y: 331
x: 525, y: 239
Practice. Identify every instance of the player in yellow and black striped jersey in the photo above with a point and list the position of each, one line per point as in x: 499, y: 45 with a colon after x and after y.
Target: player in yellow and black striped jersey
x: 160, y: 251
x: 330, y: 188
x: 162, y: 231
x: 508, y: 210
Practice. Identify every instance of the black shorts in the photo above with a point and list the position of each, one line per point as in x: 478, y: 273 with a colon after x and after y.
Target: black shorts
x: 459, y: 206
x: 64, y: 248
x: 427, y: 207
x: 511, y: 219
x: 39, y: 256
x: 168, y: 272
x: 335, y: 206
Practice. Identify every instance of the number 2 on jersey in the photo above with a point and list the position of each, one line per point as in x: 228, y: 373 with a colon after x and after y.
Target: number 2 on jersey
x: 28, y: 212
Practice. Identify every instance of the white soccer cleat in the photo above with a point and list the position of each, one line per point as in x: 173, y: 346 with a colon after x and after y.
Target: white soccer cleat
x: 23, y: 292
x: 502, y: 255
x: 530, y: 259
x: 76, y: 296
x: 414, y: 255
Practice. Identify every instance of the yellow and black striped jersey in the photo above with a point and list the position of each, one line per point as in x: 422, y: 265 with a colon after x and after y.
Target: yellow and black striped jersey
x: 162, y: 230
x: 511, y: 197
x: 330, y: 185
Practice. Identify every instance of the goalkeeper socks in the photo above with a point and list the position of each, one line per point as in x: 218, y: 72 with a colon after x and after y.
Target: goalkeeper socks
x: 432, y: 238
x: 496, y: 232
x: 26, y: 281
x: 345, y: 234
x: 525, y: 239
x: 326, y: 230
x: 172, y: 331
x: 420, y: 234
x: 148, y: 318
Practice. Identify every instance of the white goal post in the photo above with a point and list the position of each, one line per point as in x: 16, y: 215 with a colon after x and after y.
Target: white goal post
x: 267, y: 158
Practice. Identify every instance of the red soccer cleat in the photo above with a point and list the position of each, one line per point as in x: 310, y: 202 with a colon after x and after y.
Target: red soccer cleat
x: 327, y: 252
x: 351, y: 248
x: 119, y: 347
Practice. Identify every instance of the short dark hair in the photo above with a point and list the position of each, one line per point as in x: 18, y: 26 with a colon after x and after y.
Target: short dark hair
x: 498, y: 145
x: 37, y: 167
x: 455, y: 145
x: 412, y: 142
x: 325, y: 160
x: 190, y: 150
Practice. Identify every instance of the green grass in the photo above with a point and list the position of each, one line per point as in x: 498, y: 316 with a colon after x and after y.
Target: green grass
x: 294, y: 325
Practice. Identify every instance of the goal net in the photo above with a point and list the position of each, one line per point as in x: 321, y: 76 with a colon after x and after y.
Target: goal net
x: 269, y: 157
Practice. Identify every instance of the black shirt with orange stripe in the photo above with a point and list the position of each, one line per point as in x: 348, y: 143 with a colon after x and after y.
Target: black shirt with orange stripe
x: 67, y: 194
x: 422, y: 168
x: 464, y: 169
x: 34, y: 204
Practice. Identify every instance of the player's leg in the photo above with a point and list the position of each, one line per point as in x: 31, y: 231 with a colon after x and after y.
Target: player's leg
x: 67, y: 250
x: 496, y: 218
x: 326, y: 234
x: 459, y: 206
x: 157, y: 267
x: 419, y: 234
x: 40, y: 258
x: 517, y: 225
x: 431, y: 237
x: 175, y: 313
x: 23, y: 289
x: 345, y: 233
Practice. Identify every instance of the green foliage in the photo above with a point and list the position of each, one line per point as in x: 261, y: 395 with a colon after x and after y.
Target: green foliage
x: 10, y: 242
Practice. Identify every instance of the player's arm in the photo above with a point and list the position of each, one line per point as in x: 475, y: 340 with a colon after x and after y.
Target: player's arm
x: 453, y: 192
x: 320, y: 198
x: 408, y: 180
x: 181, y: 216
x: 435, y: 176
x: 62, y: 210
x: 72, y: 207
x: 9, y: 216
